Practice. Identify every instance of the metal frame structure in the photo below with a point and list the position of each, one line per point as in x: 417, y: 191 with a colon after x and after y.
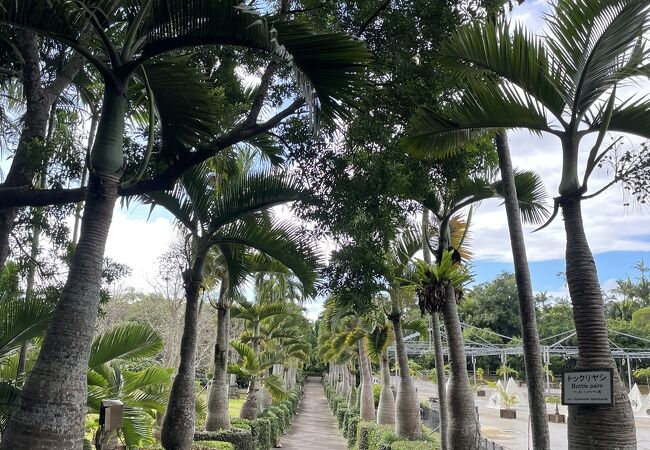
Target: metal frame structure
x: 474, y: 349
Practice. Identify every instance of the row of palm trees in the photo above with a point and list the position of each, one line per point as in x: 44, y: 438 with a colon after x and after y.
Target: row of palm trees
x: 568, y: 84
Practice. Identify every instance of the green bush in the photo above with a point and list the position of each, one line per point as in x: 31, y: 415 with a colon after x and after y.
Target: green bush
x: 262, y: 433
x: 370, y: 436
x: 340, y: 415
x: 212, y: 445
x: 241, y: 439
x: 376, y: 391
x: 350, y: 431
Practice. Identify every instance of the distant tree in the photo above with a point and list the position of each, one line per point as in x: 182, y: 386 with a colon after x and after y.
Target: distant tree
x: 493, y: 305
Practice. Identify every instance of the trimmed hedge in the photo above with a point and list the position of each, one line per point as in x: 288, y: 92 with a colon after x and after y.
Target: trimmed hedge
x: 240, y: 438
x: 262, y: 433
x: 212, y: 445
x: 371, y: 436
x: 363, y: 435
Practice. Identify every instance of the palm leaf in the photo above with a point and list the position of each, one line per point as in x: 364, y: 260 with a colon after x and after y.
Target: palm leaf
x: 631, y: 117
x: 484, y: 107
x: 281, y: 241
x: 21, y: 321
x: 276, y: 387
x: 480, y: 50
x: 129, y: 341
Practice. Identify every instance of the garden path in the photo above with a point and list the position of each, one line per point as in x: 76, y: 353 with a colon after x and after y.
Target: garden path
x: 314, y: 427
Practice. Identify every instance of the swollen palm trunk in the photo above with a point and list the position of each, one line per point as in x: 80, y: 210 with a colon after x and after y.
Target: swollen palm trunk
x: 250, y: 408
x: 592, y: 427
x: 53, y: 402
x: 366, y: 401
x: 463, y: 427
x: 386, y: 407
x: 407, y: 407
x: 178, y: 425
x: 218, y: 416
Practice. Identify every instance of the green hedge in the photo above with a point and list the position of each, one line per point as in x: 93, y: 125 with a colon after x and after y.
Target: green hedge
x: 212, y: 445
x: 371, y: 436
x: 261, y: 433
x: 241, y: 439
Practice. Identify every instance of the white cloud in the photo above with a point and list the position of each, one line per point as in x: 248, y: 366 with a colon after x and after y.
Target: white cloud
x: 138, y: 243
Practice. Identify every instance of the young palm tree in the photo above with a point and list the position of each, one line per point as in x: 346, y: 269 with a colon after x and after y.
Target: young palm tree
x: 566, y: 85
x: 378, y: 343
x: 445, y: 202
x: 254, y: 315
x: 224, y: 212
x: 407, y: 423
x: 124, y: 36
x: 144, y: 392
x: 256, y: 366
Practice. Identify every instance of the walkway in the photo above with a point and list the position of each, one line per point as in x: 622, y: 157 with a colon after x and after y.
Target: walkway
x: 314, y: 427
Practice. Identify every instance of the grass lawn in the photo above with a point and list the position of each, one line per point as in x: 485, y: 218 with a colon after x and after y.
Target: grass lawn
x: 234, y: 405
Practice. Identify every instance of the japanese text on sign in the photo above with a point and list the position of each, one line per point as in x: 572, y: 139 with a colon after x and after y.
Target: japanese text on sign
x: 587, y: 387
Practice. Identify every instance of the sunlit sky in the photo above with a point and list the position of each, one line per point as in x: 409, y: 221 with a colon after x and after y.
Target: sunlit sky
x: 619, y: 236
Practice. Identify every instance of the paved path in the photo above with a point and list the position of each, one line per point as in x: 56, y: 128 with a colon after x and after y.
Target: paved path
x: 314, y: 427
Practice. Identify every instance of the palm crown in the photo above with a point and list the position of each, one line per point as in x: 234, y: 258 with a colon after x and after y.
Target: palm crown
x: 564, y: 83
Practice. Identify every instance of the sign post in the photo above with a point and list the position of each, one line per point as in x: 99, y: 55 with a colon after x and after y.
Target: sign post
x: 588, y: 387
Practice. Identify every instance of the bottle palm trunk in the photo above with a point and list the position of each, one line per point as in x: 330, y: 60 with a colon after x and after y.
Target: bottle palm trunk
x: 599, y: 426
x: 366, y: 400
x: 463, y: 428
x: 178, y: 425
x: 407, y: 406
x: 218, y: 416
x: 530, y: 338
x: 386, y: 407
x: 53, y: 402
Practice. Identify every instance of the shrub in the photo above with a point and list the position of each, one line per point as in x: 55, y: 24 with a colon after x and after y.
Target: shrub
x: 371, y: 436
x: 241, y: 439
x: 350, y: 431
x: 340, y: 415
x: 376, y: 391
x: 212, y: 445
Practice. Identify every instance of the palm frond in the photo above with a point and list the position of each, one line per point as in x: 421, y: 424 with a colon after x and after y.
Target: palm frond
x: 480, y: 50
x: 484, y: 107
x: 129, y: 341
x: 630, y: 117
x: 21, y: 321
x: 282, y: 241
x: 276, y: 387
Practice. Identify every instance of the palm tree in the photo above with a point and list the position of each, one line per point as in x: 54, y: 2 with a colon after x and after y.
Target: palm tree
x: 445, y: 202
x: 378, y: 342
x: 530, y: 337
x: 254, y: 315
x: 256, y: 366
x: 224, y: 212
x: 407, y: 423
x: 566, y: 85
x: 437, y: 341
x: 144, y: 392
x: 329, y: 65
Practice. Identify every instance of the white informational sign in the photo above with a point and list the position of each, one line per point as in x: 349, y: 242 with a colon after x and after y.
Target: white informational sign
x: 588, y: 387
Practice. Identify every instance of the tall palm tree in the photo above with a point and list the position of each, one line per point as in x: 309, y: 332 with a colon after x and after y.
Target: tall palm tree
x: 564, y: 84
x: 437, y: 341
x: 224, y: 212
x: 445, y: 202
x: 329, y: 64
